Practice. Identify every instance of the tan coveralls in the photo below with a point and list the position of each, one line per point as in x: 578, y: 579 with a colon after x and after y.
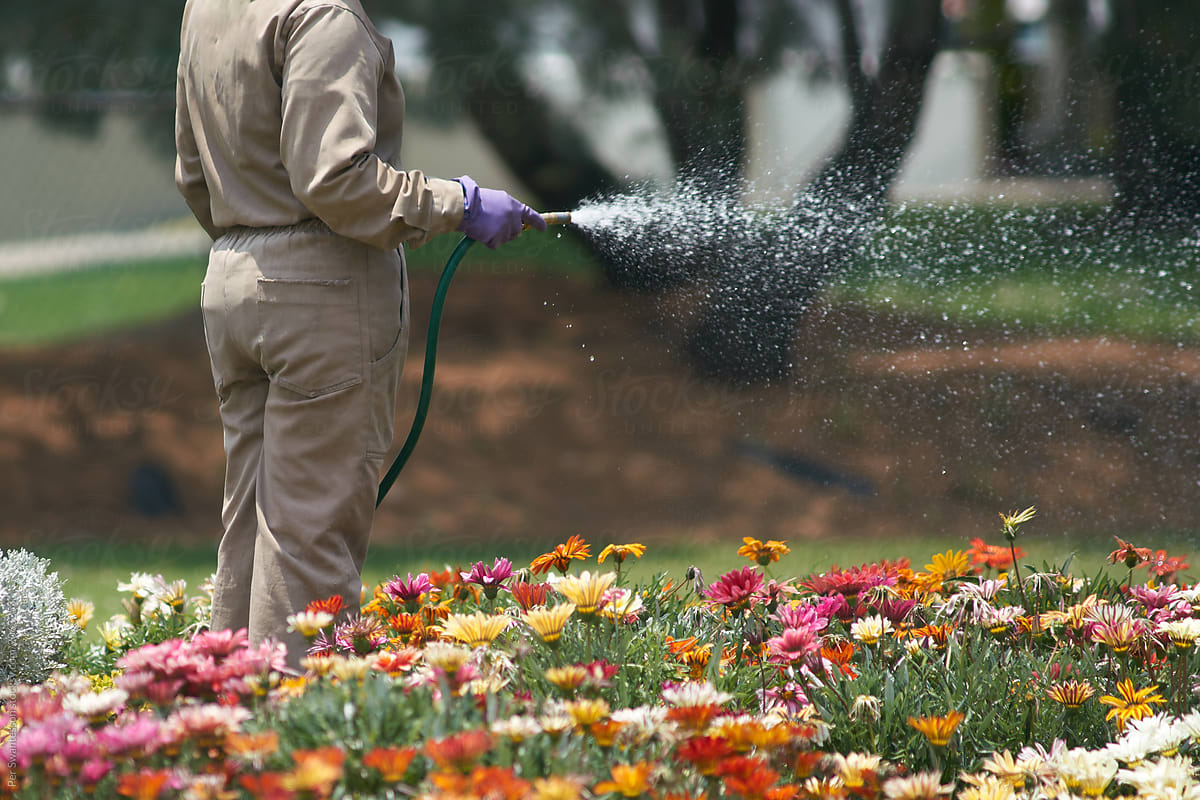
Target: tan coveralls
x: 288, y: 128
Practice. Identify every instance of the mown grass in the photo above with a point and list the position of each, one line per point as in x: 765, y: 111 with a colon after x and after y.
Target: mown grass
x: 92, y: 569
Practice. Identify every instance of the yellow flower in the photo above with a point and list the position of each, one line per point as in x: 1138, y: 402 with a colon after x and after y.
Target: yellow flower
x: 1006, y: 768
x: 762, y: 553
x: 585, y: 712
x: 628, y: 780
x: 81, y: 611
x: 620, y: 552
x: 1071, y: 694
x: 556, y: 787
x: 951, y: 564
x: 309, y: 623
x: 113, y: 632
x: 1182, y: 632
x: 475, y: 630
x: 938, y: 730
x: 448, y: 658
x: 548, y: 622
x: 870, y: 630
x: 586, y: 590
x: 567, y: 678
x: 1132, y: 704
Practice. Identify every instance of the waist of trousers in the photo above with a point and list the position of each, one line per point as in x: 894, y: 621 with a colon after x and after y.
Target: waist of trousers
x: 242, y: 233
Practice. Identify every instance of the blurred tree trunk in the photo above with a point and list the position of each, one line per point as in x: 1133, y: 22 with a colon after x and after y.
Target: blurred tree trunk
x: 1154, y: 64
x: 747, y: 331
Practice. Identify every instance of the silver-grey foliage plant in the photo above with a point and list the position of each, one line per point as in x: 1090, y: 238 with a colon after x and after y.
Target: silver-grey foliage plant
x: 35, y: 626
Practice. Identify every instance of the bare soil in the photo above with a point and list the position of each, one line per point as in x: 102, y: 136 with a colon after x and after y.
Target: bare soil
x: 562, y: 408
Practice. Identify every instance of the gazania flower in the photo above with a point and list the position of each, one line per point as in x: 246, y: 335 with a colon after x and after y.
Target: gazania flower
x: 1007, y: 769
x: 1132, y: 703
x: 146, y: 784
x: 1127, y: 554
x: 316, y: 770
x: 1164, y: 566
x: 561, y: 556
x: 1120, y: 635
x: 762, y: 553
x: 735, y: 590
x: 620, y: 552
x: 490, y: 578
x: 628, y: 780
x: 920, y: 786
x: 81, y: 611
x: 475, y: 630
x: 869, y: 630
x: 253, y: 747
x: 517, y: 729
x: 392, y: 762
x: 395, y: 662
x: 621, y: 605
x: 948, y: 565
x: 409, y: 590
x: 585, y: 712
x: 747, y: 776
x: 705, y: 753
x: 1071, y: 694
x: 548, y: 623
x: 330, y: 605
x: 449, y: 658
x: 568, y: 678
x: 1182, y: 632
x: 794, y: 644
x: 556, y: 787
x: 938, y: 730
x: 585, y: 590
x: 605, y: 731
x: 460, y: 751
x: 529, y: 595
x: 991, y: 555
x: 309, y: 623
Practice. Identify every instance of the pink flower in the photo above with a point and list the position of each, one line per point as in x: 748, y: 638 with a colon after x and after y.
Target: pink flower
x: 134, y: 734
x: 220, y: 644
x: 490, y: 578
x: 802, y: 616
x: 795, y: 644
x: 94, y: 770
x: 410, y: 590
x: 736, y: 589
x: 790, y: 697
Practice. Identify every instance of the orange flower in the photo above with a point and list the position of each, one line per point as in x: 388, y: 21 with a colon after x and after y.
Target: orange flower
x: 396, y: 662
x: 628, y: 780
x: 1132, y: 704
x: 529, y: 595
x: 704, y: 752
x: 1128, y: 554
x: 620, y: 552
x: 330, y: 605
x: 392, y: 762
x: 266, y: 786
x: 460, y: 751
x: 316, y: 771
x: 252, y: 746
x: 493, y: 783
x: 408, y: 628
x: 605, y: 732
x: 994, y: 556
x: 144, y: 785
x: 938, y: 730
x: 561, y: 556
x: 840, y: 652
x: 760, y: 552
x: 748, y: 776
x: 693, y: 718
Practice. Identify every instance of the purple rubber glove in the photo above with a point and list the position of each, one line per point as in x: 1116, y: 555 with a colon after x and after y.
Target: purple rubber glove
x: 494, y: 217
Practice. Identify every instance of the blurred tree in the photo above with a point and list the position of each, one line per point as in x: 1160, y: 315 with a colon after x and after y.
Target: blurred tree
x: 73, y: 60
x: 1152, y: 56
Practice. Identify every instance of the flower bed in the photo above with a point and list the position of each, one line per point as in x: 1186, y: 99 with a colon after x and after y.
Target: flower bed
x: 878, y: 680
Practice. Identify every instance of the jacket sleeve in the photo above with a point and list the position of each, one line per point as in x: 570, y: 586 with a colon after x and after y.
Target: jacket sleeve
x: 189, y: 173
x: 331, y: 71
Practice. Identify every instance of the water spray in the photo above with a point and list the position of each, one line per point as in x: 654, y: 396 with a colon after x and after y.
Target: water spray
x: 431, y: 343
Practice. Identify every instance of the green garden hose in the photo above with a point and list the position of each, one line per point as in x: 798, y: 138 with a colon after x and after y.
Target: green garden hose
x: 431, y: 342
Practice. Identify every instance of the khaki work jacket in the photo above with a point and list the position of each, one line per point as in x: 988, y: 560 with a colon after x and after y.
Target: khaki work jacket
x: 290, y: 110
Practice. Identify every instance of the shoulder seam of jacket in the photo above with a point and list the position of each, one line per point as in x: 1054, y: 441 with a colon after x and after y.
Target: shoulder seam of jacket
x: 353, y: 13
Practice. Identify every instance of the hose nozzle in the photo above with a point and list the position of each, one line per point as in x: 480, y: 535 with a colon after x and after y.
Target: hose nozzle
x: 554, y: 218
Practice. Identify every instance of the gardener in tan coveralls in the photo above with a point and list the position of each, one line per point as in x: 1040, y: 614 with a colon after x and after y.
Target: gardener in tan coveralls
x: 288, y: 125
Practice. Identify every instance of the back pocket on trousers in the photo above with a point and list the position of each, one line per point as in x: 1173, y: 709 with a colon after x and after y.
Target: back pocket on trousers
x: 311, y: 329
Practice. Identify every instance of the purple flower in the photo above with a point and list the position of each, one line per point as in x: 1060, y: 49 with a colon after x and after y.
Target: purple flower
x: 490, y: 578
x: 409, y: 591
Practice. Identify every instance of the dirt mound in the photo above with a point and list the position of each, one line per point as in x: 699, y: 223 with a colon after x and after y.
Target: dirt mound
x: 561, y: 408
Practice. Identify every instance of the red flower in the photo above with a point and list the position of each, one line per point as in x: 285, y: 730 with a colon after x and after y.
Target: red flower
x: 1128, y: 554
x: 705, y: 753
x: 736, y: 589
x: 994, y: 556
x: 460, y: 751
x: 529, y: 595
x: 748, y: 776
x: 1164, y: 566
x: 853, y: 580
x: 330, y: 605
